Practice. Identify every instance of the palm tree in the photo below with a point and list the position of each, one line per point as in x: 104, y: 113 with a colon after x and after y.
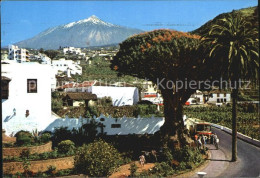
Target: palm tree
x: 233, y: 48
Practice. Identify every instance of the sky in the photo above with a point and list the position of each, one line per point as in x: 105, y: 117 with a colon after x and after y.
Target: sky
x: 21, y: 20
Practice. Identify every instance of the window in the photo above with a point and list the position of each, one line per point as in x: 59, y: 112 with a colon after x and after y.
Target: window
x: 102, y: 119
x: 217, y: 100
x: 218, y: 95
x: 31, y: 85
x: 115, y: 125
x: 5, y: 89
x: 225, y: 94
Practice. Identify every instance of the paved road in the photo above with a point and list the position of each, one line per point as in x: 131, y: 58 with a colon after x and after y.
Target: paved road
x: 248, y: 164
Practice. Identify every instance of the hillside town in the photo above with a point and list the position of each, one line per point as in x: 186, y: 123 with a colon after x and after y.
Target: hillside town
x: 117, y: 110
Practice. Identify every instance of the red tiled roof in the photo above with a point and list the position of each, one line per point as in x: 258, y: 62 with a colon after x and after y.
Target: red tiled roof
x: 76, y: 85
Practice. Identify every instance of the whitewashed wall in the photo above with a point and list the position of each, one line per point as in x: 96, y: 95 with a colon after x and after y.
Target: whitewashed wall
x: 38, y: 104
x: 128, y: 125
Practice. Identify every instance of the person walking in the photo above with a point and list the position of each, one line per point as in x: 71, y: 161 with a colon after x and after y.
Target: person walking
x: 196, y: 140
x: 215, y: 140
x: 199, y: 142
x: 142, y: 160
x: 203, y: 140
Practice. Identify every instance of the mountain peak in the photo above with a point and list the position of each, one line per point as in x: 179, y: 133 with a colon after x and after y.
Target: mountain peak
x: 92, y: 19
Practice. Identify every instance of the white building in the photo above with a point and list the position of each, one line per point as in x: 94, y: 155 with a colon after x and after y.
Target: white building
x: 4, y: 55
x: 45, y: 59
x: 151, y: 93
x: 218, y: 97
x: 18, y: 54
x: 121, y: 96
x: 26, y: 96
x: 196, y: 98
x: 63, y: 65
x: 73, y: 50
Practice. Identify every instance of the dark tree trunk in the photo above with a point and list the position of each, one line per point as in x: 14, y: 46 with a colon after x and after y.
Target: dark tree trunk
x: 170, y: 108
x: 173, y: 113
x: 234, y: 123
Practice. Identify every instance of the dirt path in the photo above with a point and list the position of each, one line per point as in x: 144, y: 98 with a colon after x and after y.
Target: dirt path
x: 124, y: 170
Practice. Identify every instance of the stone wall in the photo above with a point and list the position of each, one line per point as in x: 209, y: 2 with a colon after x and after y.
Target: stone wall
x: 16, y: 151
x: 41, y: 165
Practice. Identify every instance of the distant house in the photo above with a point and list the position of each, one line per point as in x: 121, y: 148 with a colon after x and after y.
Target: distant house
x: 73, y: 50
x: 18, y: 54
x: 4, y: 55
x: 78, y: 98
x: 151, y: 93
x: 121, y: 96
x: 217, y: 97
x: 26, y: 95
x: 63, y: 65
x: 196, y: 98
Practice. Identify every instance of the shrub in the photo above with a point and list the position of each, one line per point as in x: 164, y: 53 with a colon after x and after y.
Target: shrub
x: 60, y: 134
x: 44, y: 155
x: 162, y: 169
x: 24, y: 138
x: 188, y: 157
x: 64, y: 172
x: 51, y: 170
x: 66, y: 147
x: 86, y: 132
x: 182, y: 166
x: 56, y: 104
x: 45, y: 137
x: 97, y: 159
x: 54, y: 153
x: 167, y: 156
x: 133, y: 169
x: 145, y: 110
x: 25, y: 153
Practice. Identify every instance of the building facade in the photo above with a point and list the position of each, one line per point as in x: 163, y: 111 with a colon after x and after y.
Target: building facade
x: 26, y: 96
x: 66, y: 66
x: 218, y: 97
x: 73, y: 50
x: 18, y: 54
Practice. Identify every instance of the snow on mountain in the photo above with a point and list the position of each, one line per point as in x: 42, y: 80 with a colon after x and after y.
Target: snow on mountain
x: 83, y: 33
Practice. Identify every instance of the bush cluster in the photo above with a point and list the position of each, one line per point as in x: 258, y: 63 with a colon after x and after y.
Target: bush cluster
x: 66, y: 147
x: 24, y: 138
x: 97, y: 159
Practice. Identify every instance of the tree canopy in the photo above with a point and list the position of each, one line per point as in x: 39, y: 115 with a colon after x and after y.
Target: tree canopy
x: 158, y: 54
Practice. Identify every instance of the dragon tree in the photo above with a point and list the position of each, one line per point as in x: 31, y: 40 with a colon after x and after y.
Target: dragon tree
x: 169, y: 59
